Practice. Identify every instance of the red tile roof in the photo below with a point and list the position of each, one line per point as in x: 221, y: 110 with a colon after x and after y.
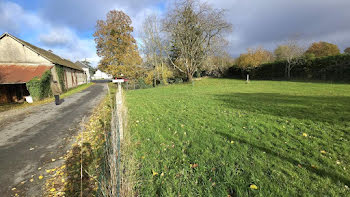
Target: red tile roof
x: 12, y: 74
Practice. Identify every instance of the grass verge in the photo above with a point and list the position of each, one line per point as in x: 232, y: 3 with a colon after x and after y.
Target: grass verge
x: 11, y: 106
x: 223, y: 137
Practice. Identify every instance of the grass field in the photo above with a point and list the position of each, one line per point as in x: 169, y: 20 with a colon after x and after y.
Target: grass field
x: 223, y: 137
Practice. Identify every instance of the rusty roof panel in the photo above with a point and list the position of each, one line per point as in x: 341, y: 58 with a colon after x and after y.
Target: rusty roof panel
x: 12, y: 74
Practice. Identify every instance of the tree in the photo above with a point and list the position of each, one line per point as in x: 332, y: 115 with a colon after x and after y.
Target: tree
x: 320, y: 49
x: 347, y: 50
x: 88, y: 64
x: 292, y: 53
x: 115, y: 44
x: 254, y: 58
x: 192, y: 27
x: 217, y: 65
x: 154, y: 50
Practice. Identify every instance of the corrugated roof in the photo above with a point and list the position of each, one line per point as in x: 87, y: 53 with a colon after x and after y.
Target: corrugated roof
x: 48, y: 55
x: 13, y: 74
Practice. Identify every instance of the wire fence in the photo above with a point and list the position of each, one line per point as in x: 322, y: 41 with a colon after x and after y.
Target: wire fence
x: 110, y: 176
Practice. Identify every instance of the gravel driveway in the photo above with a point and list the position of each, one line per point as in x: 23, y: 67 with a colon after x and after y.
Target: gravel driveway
x: 32, y: 138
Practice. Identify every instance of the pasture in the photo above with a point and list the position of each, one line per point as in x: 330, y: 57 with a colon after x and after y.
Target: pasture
x: 223, y: 137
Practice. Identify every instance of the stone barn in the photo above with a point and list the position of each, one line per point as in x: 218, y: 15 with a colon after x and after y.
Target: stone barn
x: 21, y: 61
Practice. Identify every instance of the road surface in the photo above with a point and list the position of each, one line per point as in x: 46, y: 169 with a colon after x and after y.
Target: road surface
x: 30, y: 138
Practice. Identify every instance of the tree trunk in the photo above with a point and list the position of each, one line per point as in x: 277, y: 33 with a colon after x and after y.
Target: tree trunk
x: 189, y: 77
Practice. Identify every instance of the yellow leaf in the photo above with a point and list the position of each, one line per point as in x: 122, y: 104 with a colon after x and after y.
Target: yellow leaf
x: 232, y: 142
x: 31, y: 180
x: 48, y: 171
x: 305, y: 134
x: 52, y: 189
x: 154, y: 173
x: 53, y: 160
x: 13, y: 189
x: 323, y: 151
x: 252, y: 186
x: 41, y: 177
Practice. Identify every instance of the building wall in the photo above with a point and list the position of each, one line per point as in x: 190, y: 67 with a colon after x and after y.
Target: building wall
x: 74, y: 77
x: 101, y: 75
x: 87, y: 72
x: 12, y: 51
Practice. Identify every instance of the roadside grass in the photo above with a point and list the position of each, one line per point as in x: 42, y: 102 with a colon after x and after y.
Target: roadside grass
x: 222, y: 137
x: 10, y: 106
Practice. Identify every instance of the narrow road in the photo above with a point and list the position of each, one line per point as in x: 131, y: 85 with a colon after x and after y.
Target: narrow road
x: 31, y: 139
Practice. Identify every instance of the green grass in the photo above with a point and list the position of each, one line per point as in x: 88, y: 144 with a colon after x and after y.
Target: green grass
x: 241, y: 134
x: 11, y: 106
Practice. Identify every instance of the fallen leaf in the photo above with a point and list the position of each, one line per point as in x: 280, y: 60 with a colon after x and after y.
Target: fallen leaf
x: 13, y: 189
x: 154, y: 173
x: 53, y: 160
x: 194, y: 165
x: 52, y: 189
x: 305, y: 134
x: 31, y: 149
x: 232, y: 142
x: 41, y: 177
x: 31, y: 180
x: 323, y: 151
x: 39, y: 168
x: 252, y: 186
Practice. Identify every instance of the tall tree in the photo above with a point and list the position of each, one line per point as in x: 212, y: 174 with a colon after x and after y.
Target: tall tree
x: 192, y: 27
x: 116, y: 45
x: 292, y: 53
x: 320, y: 49
x: 153, y: 46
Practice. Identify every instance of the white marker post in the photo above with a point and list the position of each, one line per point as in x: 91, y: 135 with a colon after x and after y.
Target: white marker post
x: 247, y: 78
x: 119, y: 103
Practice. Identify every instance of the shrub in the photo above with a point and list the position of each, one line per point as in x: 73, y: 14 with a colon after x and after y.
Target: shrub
x: 39, y: 88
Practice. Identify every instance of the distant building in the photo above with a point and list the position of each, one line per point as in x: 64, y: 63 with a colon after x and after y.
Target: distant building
x: 86, y: 70
x: 21, y: 61
x: 101, y: 75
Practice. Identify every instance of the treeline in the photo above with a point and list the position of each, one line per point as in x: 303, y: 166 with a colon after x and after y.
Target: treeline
x: 320, y: 61
x: 328, y: 68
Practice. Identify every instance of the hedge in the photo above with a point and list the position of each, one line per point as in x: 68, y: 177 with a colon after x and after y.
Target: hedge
x: 329, y: 68
x: 39, y: 88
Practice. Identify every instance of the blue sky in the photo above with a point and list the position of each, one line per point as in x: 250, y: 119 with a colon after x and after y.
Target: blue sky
x: 66, y: 26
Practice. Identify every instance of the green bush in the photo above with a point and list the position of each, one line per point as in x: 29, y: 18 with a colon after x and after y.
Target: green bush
x: 39, y: 88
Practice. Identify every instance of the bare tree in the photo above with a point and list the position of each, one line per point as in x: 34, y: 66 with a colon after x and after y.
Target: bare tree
x: 154, y: 49
x: 292, y: 53
x: 192, y: 27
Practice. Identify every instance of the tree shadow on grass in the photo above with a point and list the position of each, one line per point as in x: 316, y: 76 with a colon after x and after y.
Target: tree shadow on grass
x: 79, y: 181
x: 323, y: 173
x: 317, y: 108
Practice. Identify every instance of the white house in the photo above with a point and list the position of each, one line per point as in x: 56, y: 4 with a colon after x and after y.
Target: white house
x: 101, y: 75
x: 86, y: 70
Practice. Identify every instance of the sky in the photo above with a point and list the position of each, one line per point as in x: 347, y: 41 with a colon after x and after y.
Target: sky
x: 66, y: 26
